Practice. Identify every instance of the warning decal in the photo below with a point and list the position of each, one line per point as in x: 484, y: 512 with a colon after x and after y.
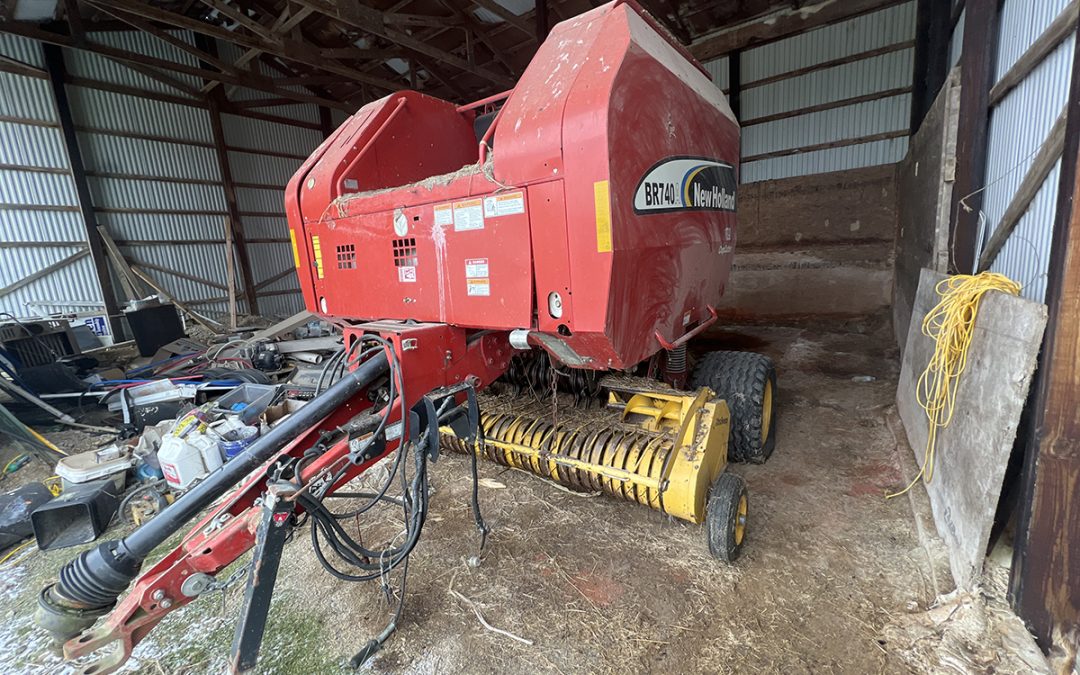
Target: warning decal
x: 469, y: 215
x: 295, y: 251
x: 407, y: 274
x: 602, y: 199
x: 508, y: 204
x: 479, y: 286
x: 476, y: 268
x: 444, y: 214
x: 477, y: 276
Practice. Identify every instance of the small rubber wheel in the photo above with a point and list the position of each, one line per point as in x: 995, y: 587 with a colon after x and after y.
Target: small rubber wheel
x: 747, y: 382
x: 725, y: 516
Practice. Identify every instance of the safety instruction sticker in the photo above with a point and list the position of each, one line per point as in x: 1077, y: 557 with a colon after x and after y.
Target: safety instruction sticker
x: 507, y: 204
x: 469, y: 215
x: 479, y: 286
x: 476, y: 268
x: 406, y: 274
x: 444, y: 214
x: 477, y: 277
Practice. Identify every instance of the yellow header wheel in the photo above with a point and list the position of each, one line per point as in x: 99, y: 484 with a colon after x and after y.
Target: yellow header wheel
x: 747, y: 382
x: 725, y: 516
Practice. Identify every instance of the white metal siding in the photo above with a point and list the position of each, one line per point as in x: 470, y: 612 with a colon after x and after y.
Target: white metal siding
x: 34, y: 238
x: 889, y: 30
x: 1018, y: 127
x: 135, y: 136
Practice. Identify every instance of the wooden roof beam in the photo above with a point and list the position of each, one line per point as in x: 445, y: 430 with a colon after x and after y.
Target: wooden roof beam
x: 509, y: 17
x: 285, y: 22
x: 287, y: 49
x: 370, y: 21
x: 781, y: 24
x: 247, y: 80
x: 242, y: 19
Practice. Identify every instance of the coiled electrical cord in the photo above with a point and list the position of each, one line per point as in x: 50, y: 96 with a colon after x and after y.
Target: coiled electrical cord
x: 951, y: 325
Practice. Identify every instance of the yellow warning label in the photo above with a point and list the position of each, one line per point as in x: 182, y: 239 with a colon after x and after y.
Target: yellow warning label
x: 316, y: 248
x: 295, y: 251
x: 602, y: 197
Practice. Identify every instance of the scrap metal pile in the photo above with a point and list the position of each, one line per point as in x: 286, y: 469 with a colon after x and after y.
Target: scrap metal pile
x: 163, y: 423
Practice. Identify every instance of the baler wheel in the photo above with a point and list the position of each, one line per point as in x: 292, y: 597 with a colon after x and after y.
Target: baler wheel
x: 725, y: 516
x: 747, y: 382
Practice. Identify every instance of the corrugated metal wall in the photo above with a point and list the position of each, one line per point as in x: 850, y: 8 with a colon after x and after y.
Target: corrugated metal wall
x: 830, y: 99
x: 1018, y: 127
x: 261, y: 179
x: 153, y: 174
x: 39, y: 210
x: 151, y: 168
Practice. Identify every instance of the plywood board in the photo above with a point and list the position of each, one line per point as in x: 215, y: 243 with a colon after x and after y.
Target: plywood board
x: 973, y: 450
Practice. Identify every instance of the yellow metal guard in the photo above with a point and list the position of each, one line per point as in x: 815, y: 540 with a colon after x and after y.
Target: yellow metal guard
x: 664, y: 451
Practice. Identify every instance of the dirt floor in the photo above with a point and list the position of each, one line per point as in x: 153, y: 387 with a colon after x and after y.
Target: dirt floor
x: 833, y: 578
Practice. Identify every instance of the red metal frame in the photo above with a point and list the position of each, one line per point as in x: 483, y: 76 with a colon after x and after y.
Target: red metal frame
x: 431, y: 356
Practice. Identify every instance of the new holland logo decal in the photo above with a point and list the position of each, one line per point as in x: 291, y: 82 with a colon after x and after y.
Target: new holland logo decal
x: 686, y: 184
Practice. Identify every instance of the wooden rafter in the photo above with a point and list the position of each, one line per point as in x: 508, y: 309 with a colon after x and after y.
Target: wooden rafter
x: 519, y: 22
x: 481, y: 33
x: 242, y: 19
x: 371, y: 21
x: 284, y: 23
x: 780, y: 24
x: 288, y: 49
x: 245, y: 80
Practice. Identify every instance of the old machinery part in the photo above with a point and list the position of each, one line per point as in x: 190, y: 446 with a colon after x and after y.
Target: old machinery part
x: 533, y: 372
x: 747, y: 381
x: 662, y: 450
x: 675, y: 367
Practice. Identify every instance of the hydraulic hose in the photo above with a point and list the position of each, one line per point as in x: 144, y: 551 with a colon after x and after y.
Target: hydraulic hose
x: 97, y: 577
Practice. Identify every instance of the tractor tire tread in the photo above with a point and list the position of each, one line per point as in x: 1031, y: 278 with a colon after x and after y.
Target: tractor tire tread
x: 721, y: 516
x: 739, y: 378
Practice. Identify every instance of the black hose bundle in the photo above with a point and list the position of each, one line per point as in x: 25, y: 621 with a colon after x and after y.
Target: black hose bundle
x: 336, y: 550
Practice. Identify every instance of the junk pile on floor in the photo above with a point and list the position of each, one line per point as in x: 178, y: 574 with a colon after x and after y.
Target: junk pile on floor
x: 166, y: 419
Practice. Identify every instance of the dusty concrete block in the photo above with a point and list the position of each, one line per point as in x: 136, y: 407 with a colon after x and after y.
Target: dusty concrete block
x: 973, y: 450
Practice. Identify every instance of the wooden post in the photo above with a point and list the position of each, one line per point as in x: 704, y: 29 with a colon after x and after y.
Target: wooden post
x: 57, y: 71
x: 735, y: 83
x: 976, y: 75
x: 541, y: 21
x: 1044, y: 584
x: 215, y: 101
x: 326, y: 122
x: 933, y: 24
x: 230, y: 273
x: 231, y: 204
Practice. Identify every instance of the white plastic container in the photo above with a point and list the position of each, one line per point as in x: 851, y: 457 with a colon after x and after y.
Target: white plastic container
x: 87, y: 466
x: 185, y: 460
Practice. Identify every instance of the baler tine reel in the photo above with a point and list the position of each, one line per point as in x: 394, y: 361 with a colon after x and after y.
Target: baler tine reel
x: 277, y: 521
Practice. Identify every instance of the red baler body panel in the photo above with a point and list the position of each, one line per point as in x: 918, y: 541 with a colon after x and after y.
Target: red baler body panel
x: 611, y: 182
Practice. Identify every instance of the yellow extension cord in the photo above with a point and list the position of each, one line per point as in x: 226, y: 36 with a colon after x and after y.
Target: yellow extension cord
x: 950, y: 325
